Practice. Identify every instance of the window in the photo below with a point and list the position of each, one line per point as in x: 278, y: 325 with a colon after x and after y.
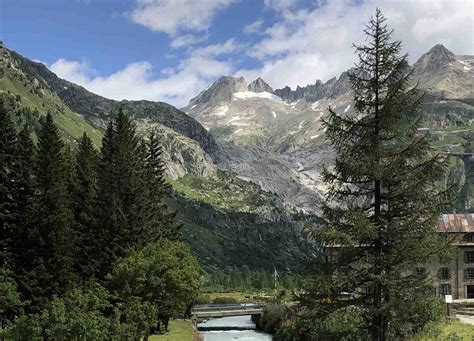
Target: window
x: 469, y: 238
x: 445, y: 289
x: 470, y: 273
x: 420, y: 271
x: 469, y: 256
x: 444, y: 273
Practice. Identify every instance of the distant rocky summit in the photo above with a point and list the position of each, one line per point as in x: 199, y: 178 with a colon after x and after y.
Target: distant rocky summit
x: 259, y: 85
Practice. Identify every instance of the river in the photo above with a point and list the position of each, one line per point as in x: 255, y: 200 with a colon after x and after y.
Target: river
x: 231, y: 335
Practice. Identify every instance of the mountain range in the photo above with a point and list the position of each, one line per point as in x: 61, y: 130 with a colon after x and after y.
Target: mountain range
x: 244, y: 159
x: 276, y: 139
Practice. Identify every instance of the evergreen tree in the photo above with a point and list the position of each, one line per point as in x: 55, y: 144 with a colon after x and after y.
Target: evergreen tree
x: 106, y: 215
x: 53, y: 251
x: 7, y: 183
x: 84, y: 199
x: 22, y: 243
x: 159, y: 218
x: 381, y: 206
x: 127, y: 214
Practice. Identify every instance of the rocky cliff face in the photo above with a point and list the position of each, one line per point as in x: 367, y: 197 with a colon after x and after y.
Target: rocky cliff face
x: 220, y: 91
x: 444, y: 74
x: 319, y: 90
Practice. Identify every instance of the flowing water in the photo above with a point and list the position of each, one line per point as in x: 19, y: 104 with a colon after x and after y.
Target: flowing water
x: 231, y: 335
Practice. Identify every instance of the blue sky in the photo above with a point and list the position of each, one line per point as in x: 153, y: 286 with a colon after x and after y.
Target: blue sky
x: 171, y: 49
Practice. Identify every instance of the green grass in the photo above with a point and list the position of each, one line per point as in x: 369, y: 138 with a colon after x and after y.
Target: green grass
x: 71, y: 124
x: 179, y: 330
x: 455, y: 331
x: 223, y: 191
x: 235, y: 297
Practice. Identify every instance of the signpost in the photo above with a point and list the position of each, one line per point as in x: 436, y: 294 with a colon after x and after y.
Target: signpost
x: 448, y: 299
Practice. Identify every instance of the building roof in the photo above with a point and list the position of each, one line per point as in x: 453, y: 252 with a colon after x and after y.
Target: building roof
x: 459, y: 222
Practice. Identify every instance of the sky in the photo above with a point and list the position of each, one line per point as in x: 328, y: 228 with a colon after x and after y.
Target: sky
x: 170, y: 50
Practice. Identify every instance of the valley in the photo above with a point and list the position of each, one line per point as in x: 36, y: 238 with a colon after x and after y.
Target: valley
x: 245, y: 160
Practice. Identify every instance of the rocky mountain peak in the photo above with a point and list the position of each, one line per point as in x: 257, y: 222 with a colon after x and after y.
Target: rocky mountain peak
x: 435, y: 59
x: 259, y: 85
x: 221, y: 90
x: 440, y: 50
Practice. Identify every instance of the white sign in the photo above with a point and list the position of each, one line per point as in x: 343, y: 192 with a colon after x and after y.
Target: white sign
x: 448, y: 298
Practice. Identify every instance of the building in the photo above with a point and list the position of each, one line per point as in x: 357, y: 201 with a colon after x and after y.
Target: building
x: 456, y: 277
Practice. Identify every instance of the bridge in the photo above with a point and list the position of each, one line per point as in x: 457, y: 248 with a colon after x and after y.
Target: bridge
x: 222, y: 310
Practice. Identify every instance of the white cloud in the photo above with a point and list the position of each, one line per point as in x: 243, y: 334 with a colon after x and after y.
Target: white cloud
x: 253, y: 27
x: 306, y: 44
x: 302, y: 45
x: 173, y: 16
x: 279, y: 4
x: 73, y: 71
x: 137, y: 81
x: 187, y: 40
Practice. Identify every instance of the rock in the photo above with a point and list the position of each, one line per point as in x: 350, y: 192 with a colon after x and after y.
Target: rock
x: 259, y: 85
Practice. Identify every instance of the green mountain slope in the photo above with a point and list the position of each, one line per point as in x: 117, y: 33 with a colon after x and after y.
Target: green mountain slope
x: 227, y: 221
x: 23, y: 90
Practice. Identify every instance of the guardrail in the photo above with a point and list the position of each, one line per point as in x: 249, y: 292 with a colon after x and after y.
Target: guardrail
x: 228, y: 309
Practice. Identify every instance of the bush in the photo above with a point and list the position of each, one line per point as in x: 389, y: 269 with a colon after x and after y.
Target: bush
x: 273, y: 317
x: 344, y: 324
x: 415, y: 314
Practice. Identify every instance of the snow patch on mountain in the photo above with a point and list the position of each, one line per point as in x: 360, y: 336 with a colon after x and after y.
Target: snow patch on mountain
x: 221, y: 111
x: 251, y: 94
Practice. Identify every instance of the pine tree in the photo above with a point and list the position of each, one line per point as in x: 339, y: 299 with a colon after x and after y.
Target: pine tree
x: 122, y: 193
x: 84, y: 200
x: 22, y: 242
x: 7, y: 184
x: 381, y: 207
x: 106, y: 214
x: 53, y: 234
x: 161, y: 221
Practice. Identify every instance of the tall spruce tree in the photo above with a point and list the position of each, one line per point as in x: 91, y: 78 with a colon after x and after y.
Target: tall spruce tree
x: 160, y: 218
x: 7, y: 184
x: 84, y: 200
x: 381, y: 206
x: 123, y: 206
x: 22, y: 242
x: 53, y: 252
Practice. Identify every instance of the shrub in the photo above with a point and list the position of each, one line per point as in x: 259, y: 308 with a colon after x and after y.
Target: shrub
x: 414, y: 315
x: 344, y: 324
x: 273, y: 316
